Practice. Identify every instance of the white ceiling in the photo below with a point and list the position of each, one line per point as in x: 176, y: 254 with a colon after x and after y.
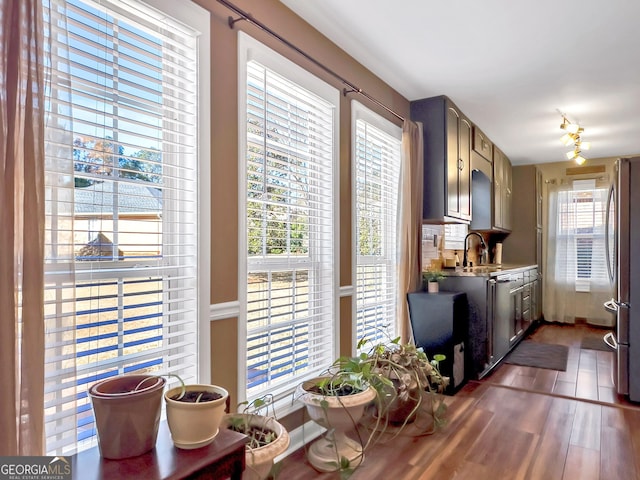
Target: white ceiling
x: 509, y: 65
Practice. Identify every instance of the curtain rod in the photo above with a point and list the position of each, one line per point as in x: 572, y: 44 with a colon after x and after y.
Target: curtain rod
x: 352, y: 88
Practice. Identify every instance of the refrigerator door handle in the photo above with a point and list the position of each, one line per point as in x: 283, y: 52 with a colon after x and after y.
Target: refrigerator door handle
x: 610, y: 340
x: 610, y: 306
x: 606, y: 234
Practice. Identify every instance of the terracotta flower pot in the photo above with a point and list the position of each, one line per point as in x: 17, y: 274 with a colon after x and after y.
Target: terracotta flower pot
x: 341, y: 415
x: 127, y: 414
x: 194, y: 425
x: 260, y: 460
x: 397, y: 409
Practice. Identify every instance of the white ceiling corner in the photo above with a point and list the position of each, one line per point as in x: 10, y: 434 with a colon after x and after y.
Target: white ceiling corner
x: 508, y: 65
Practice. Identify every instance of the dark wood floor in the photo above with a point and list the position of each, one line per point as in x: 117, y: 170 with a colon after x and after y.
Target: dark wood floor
x: 518, y: 423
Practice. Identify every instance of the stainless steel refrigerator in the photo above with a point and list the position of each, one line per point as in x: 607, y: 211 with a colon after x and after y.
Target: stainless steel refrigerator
x: 623, y: 255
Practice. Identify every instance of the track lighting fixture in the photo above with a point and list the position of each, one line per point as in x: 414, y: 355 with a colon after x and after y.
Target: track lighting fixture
x: 572, y: 137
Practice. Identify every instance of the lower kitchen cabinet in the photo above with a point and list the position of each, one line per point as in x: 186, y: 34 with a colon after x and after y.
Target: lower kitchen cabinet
x: 440, y: 326
x: 502, y: 306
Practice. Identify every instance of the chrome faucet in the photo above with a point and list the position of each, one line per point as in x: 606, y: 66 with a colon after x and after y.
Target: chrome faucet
x: 484, y: 246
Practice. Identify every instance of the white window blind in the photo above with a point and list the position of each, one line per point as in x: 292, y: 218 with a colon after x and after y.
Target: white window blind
x: 121, y: 204
x: 289, y: 218
x: 376, y: 163
x: 582, y: 221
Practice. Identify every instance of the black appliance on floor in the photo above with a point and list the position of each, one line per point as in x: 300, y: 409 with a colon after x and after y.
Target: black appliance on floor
x: 440, y: 326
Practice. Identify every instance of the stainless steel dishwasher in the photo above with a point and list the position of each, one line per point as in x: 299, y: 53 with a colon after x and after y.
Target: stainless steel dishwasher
x: 505, y: 314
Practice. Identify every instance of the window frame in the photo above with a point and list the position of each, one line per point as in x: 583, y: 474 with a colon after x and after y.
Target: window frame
x: 570, y: 232
x: 197, y: 18
x: 360, y: 112
x: 251, y: 49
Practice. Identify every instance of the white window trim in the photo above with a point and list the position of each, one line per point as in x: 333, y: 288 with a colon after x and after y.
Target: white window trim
x: 250, y: 49
x: 198, y: 18
x: 360, y: 112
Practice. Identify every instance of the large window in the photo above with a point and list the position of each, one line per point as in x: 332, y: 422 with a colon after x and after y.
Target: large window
x: 376, y: 164
x: 288, y: 150
x: 581, y: 215
x: 122, y: 204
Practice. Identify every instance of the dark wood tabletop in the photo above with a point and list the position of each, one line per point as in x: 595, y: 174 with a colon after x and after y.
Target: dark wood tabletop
x: 224, y: 458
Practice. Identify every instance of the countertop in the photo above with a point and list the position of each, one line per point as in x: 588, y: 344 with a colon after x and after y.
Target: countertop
x: 490, y: 270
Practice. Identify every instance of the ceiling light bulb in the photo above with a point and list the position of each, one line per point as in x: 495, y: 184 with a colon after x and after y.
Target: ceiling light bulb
x: 567, y: 139
x: 573, y: 128
x: 571, y: 155
x: 580, y: 160
x: 585, y: 145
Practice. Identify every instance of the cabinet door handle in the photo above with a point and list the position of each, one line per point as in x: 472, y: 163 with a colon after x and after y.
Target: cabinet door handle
x: 460, y: 164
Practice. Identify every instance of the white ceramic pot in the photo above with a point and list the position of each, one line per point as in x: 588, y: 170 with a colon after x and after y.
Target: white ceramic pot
x: 194, y: 425
x: 259, y: 460
x: 433, y: 287
x: 340, y: 416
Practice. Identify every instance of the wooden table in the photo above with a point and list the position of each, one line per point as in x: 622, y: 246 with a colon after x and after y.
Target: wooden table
x: 224, y: 458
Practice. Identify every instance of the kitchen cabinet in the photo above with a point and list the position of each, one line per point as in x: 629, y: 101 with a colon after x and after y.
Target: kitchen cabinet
x: 447, y: 160
x: 524, y: 244
x: 529, y: 302
x: 502, y: 190
x: 502, y: 307
x: 523, y: 287
x: 482, y: 145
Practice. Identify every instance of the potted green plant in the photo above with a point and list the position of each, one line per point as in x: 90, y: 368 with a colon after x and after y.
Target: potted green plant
x: 394, y: 380
x: 408, y: 384
x: 267, y: 437
x: 194, y: 413
x: 336, y: 401
x: 431, y: 279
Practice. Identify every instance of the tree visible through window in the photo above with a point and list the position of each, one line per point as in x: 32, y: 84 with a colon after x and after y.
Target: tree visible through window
x: 377, y: 172
x: 289, y: 204
x: 121, y: 205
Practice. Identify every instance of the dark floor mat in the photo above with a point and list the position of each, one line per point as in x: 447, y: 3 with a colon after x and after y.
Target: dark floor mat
x: 595, y: 343
x: 541, y: 355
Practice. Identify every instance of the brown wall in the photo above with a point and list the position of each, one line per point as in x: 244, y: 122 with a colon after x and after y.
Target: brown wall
x: 224, y: 156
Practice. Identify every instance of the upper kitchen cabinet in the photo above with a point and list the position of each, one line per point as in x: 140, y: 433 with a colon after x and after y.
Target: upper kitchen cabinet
x: 502, y: 190
x: 524, y: 244
x: 482, y: 145
x: 447, y: 160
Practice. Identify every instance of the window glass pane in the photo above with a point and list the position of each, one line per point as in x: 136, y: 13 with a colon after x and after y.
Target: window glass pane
x: 582, y: 225
x: 121, y: 190
x: 289, y: 228
x: 377, y: 172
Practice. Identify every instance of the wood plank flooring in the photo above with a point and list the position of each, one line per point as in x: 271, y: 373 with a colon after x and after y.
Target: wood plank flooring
x: 518, y: 423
